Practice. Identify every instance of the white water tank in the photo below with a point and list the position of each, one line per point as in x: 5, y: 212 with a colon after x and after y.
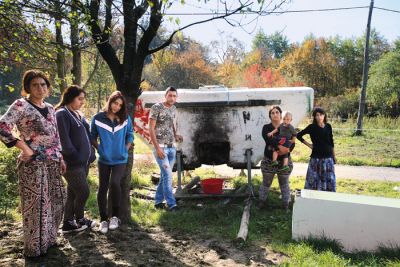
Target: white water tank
x: 219, y: 124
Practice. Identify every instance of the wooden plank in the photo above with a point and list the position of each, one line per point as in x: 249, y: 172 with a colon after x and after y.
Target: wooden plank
x: 244, y: 224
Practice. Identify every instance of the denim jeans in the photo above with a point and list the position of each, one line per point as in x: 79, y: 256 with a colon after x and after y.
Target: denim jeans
x: 164, y: 188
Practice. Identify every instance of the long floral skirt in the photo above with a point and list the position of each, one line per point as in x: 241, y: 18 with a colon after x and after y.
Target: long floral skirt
x: 42, y: 196
x: 321, y: 175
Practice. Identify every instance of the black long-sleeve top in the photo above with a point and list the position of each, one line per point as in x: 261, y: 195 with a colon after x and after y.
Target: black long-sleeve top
x: 321, y: 138
x: 270, y: 142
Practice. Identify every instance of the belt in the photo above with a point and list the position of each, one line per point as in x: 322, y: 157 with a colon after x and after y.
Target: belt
x: 167, y: 145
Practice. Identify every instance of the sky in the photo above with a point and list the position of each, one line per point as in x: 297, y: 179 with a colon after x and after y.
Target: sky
x: 296, y: 26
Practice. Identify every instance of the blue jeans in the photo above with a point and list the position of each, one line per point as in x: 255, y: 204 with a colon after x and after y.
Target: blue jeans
x: 164, y: 188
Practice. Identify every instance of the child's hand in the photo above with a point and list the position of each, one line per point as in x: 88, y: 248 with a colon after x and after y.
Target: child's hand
x: 270, y: 134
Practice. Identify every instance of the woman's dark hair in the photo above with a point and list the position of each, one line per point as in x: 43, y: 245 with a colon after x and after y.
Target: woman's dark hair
x: 122, y: 114
x: 29, y: 75
x: 272, y: 108
x: 320, y: 111
x: 170, y: 89
x: 69, y: 95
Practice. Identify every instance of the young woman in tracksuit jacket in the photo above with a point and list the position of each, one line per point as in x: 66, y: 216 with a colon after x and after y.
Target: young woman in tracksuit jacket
x: 113, y: 128
x: 78, y: 153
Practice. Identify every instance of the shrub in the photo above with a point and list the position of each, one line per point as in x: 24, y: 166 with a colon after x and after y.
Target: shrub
x: 8, y: 181
x: 342, y: 106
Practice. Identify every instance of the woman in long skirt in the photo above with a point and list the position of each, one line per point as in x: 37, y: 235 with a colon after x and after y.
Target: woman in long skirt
x: 321, y: 167
x: 40, y: 163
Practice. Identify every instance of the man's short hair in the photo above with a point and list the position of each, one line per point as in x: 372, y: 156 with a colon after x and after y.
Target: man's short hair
x: 170, y: 89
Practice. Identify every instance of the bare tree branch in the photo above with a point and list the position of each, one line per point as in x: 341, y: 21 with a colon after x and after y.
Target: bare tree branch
x: 95, y: 67
x: 169, y: 41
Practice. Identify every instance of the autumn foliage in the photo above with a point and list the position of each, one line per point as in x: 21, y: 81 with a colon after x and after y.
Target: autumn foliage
x: 256, y: 76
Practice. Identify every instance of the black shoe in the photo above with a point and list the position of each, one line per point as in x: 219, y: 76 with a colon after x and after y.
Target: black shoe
x: 261, y: 205
x: 71, y: 226
x: 173, y: 209
x: 89, y: 223
x: 159, y: 206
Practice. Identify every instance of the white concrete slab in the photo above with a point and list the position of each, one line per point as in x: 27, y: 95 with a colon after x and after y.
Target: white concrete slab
x: 358, y: 222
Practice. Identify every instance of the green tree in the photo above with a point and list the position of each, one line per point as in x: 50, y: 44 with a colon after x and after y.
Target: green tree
x: 349, y: 62
x: 378, y: 45
x: 384, y: 84
x: 274, y: 45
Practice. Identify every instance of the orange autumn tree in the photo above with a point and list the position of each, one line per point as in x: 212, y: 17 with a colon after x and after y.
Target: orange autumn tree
x: 313, y: 63
x: 188, y: 68
x: 257, y: 76
x: 227, y: 73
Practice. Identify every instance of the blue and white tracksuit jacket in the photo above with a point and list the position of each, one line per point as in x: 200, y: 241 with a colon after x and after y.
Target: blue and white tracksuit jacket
x: 113, y: 138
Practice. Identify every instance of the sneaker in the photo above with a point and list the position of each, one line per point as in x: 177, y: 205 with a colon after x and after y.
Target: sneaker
x: 159, y: 206
x: 114, y: 223
x: 274, y: 163
x: 89, y: 223
x: 103, y: 228
x: 72, y: 226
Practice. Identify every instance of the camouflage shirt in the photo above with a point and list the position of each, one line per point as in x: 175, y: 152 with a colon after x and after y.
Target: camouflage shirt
x: 164, y: 122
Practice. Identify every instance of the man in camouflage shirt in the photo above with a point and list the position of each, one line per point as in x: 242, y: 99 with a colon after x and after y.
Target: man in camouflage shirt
x: 163, y: 135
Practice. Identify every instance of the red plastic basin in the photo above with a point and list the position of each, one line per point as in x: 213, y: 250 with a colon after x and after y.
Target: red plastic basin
x: 212, y: 185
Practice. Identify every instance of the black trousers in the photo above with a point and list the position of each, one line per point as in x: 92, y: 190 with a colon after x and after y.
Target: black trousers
x: 107, y: 174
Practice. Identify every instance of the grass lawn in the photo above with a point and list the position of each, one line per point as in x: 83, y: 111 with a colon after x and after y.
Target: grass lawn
x: 270, y: 228
x: 378, y: 146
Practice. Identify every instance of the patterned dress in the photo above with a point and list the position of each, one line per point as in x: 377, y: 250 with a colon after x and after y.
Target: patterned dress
x: 41, y: 189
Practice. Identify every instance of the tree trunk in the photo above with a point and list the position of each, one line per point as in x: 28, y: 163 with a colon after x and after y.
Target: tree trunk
x: 99, y: 98
x: 60, y: 61
x: 75, y: 47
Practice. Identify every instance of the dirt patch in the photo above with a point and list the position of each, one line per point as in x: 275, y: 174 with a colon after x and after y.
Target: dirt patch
x: 133, y: 246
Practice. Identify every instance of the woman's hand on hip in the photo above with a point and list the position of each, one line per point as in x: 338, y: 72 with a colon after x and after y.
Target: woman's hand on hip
x: 63, y: 166
x: 26, y: 154
x: 128, y: 146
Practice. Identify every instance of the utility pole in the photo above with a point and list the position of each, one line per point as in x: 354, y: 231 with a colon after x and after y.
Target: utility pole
x: 361, y: 106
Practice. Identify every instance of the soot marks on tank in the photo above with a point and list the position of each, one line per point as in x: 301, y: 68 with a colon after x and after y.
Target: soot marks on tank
x: 211, y: 138
x: 246, y: 116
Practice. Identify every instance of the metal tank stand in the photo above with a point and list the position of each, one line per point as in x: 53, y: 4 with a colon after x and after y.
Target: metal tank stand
x: 249, y: 183
x: 179, y: 169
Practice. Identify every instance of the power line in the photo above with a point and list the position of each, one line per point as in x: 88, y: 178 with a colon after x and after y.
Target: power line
x: 253, y: 12
x: 263, y: 13
x: 386, y: 9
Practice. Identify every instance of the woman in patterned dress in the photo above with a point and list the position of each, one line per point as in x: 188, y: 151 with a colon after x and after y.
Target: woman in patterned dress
x: 321, y: 167
x: 39, y: 165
